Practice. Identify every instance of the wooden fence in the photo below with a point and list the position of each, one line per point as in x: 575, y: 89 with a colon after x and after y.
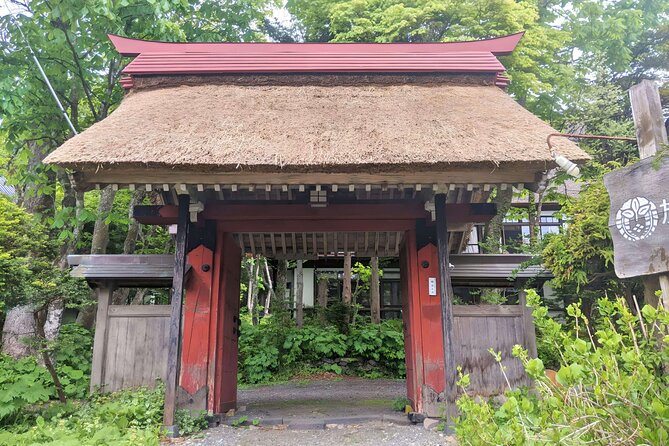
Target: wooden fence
x: 130, y: 344
x: 478, y: 328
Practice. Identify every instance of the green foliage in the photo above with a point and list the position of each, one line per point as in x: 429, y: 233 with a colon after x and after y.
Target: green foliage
x: 22, y: 383
x: 129, y: 417
x: 272, y: 350
x: 400, y: 404
x: 611, y: 387
x: 580, y: 257
x: 190, y: 423
x: 25, y: 384
x: 21, y: 239
x: 73, y: 351
x: 240, y: 421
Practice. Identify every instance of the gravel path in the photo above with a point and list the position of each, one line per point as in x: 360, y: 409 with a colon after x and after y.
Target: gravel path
x: 368, y: 434
x: 353, y: 411
x: 322, y: 399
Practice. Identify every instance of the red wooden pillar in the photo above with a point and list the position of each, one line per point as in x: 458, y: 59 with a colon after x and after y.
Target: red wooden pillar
x: 412, y: 320
x: 224, y: 325
x: 423, y: 338
x: 432, y: 391
x: 208, y: 379
x: 195, y: 341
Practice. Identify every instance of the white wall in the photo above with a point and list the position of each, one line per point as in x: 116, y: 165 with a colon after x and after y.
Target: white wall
x: 308, y: 286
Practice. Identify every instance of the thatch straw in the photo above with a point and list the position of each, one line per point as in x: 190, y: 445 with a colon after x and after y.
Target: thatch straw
x: 314, y: 128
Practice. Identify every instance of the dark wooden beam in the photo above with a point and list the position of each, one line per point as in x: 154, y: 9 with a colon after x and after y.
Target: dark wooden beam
x: 445, y: 295
x: 297, y: 226
x: 264, y: 212
x: 174, y: 341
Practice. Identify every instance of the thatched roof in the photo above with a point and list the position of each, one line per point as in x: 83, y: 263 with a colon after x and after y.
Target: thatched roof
x: 308, y: 128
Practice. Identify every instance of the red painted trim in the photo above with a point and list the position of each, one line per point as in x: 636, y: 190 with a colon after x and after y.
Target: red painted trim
x: 499, y: 46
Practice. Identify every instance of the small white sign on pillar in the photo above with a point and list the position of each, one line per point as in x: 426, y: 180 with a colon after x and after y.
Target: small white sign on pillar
x: 432, y: 286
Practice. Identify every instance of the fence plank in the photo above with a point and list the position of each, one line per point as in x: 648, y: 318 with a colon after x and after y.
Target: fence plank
x: 100, y: 341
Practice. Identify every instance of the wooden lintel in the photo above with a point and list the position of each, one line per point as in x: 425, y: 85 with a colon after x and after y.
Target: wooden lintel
x: 278, y: 213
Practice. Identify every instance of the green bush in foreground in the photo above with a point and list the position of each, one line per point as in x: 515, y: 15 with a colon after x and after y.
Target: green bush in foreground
x: 129, y: 417
x: 611, y: 387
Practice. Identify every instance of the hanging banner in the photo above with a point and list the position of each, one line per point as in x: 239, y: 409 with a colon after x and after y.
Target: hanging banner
x: 639, y: 217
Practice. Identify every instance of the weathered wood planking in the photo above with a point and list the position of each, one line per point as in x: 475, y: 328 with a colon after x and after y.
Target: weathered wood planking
x: 133, y: 349
x: 476, y: 332
x: 639, y: 217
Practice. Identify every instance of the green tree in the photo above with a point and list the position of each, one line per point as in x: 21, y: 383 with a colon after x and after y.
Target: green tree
x: 581, y: 255
x: 539, y: 63
x: 70, y: 40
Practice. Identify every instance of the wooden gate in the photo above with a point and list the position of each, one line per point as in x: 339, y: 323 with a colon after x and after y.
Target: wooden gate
x: 130, y: 344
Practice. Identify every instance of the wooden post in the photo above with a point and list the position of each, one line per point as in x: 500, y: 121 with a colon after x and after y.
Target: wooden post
x: 346, y: 294
x: 104, y: 293
x: 374, y: 291
x: 299, y: 294
x: 322, y: 291
x: 650, y: 134
x: 528, y: 322
x: 445, y: 295
x: 174, y: 344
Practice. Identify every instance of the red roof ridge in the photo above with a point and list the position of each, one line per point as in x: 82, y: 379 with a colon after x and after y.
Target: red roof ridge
x: 499, y: 46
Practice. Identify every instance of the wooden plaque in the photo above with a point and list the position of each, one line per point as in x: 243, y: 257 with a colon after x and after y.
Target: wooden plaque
x: 639, y: 217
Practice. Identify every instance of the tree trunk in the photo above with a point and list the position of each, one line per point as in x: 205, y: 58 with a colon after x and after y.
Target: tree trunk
x: 54, y: 318
x: 86, y: 317
x: 323, y: 291
x: 19, y: 323
x: 270, y: 289
x: 73, y: 199
x: 493, y: 230
x: 252, y: 292
x: 281, y: 283
x: 322, y: 295
x: 299, y: 294
x: 374, y: 291
x: 535, y: 206
x: 346, y: 294
x: 39, y: 318
x: 101, y: 229
x: 134, y: 227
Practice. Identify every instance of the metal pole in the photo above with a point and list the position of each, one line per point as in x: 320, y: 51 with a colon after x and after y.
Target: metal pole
x: 41, y: 70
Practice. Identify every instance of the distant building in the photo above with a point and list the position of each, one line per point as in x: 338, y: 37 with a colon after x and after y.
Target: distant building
x: 5, y: 188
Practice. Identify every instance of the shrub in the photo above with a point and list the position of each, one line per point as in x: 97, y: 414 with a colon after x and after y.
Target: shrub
x: 276, y: 349
x: 125, y: 418
x: 22, y: 383
x: 73, y: 353
x: 610, y: 388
